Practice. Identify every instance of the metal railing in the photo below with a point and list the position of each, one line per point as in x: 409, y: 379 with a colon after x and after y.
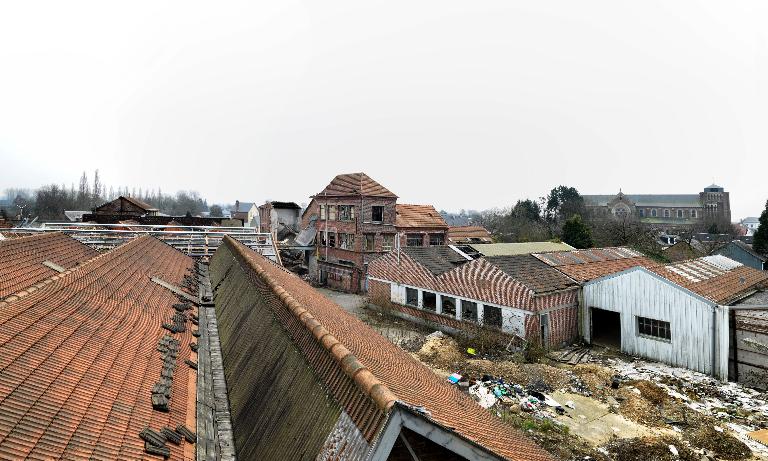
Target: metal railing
x: 196, y: 241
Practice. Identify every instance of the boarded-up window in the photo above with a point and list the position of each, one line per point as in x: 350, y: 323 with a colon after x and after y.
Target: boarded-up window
x: 429, y: 301
x: 654, y: 328
x: 469, y: 310
x: 412, y: 297
x: 492, y: 316
x: 332, y: 212
x: 449, y: 306
x: 322, y: 211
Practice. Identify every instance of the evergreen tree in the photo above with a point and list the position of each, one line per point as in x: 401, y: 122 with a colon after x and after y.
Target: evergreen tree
x: 576, y: 233
x: 760, y: 244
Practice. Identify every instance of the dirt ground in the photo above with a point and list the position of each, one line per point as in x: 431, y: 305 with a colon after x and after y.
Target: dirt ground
x: 613, y: 407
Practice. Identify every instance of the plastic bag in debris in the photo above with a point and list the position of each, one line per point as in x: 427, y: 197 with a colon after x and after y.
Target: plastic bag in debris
x: 454, y: 378
x: 483, y: 395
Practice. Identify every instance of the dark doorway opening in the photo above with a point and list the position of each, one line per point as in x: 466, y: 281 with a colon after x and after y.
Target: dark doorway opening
x: 606, y: 328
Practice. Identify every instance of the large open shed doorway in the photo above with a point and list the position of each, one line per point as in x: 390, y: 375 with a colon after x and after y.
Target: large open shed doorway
x: 606, y: 328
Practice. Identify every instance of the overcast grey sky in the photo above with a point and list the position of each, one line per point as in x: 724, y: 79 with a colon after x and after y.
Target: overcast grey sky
x: 456, y: 103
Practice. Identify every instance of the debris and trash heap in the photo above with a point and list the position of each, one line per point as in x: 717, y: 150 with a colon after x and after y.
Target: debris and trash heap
x: 684, y: 414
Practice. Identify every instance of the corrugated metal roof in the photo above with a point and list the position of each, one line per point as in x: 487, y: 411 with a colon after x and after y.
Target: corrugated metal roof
x: 508, y: 249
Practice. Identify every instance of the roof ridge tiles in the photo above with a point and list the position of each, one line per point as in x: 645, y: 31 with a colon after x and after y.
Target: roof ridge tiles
x: 382, y: 396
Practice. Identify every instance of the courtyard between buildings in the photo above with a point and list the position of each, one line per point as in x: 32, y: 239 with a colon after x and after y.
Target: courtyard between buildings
x: 604, y: 405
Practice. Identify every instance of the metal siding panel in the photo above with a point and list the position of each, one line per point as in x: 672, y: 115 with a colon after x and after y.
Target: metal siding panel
x: 638, y: 293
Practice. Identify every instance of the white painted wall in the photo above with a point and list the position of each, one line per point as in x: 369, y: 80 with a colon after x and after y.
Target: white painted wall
x: 513, y: 320
x: 639, y: 293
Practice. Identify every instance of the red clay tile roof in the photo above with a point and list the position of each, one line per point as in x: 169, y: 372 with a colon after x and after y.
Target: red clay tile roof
x: 480, y: 279
x: 418, y: 216
x: 466, y: 234
x: 21, y: 259
x: 355, y: 184
x: 591, y: 271
x: 585, y: 265
x: 78, y: 360
x: 398, y: 375
x: 708, y: 277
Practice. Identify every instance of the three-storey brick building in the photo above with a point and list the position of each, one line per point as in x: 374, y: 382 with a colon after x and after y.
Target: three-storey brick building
x: 357, y: 219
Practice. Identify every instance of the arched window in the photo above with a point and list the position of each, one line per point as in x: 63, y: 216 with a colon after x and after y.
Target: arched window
x: 653, y: 213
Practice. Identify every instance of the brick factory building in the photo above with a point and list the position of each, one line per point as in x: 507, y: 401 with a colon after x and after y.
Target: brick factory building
x: 357, y: 219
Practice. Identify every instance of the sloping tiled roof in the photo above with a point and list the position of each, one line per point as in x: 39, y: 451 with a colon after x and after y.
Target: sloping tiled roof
x: 467, y: 234
x: 355, y: 184
x: 79, y: 358
x: 480, y: 279
x: 585, y: 265
x: 436, y: 259
x: 21, y: 259
x: 386, y: 374
x: 140, y: 204
x: 520, y: 248
x: 535, y: 274
x: 418, y: 216
x: 717, y: 278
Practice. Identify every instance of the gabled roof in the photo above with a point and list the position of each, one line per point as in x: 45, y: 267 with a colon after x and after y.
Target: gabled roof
x: 243, y: 207
x: 21, y: 259
x: 436, y: 259
x: 584, y: 265
x: 468, y: 234
x: 365, y: 378
x: 418, y: 216
x: 136, y: 202
x: 535, y: 274
x: 79, y: 359
x: 748, y: 249
x: 355, y: 184
x: 507, y: 281
x: 716, y: 277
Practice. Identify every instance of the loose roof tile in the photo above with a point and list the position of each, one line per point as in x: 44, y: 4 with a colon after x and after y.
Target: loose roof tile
x: 22, y: 259
x: 418, y: 216
x: 78, y: 359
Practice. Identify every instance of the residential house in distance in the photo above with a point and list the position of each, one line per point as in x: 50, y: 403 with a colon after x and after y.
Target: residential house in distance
x: 668, y: 211
x: 443, y: 288
x: 751, y: 224
x: 248, y: 212
x: 468, y: 234
x: 743, y: 253
x: 126, y: 207
x: 273, y: 215
x: 356, y: 220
